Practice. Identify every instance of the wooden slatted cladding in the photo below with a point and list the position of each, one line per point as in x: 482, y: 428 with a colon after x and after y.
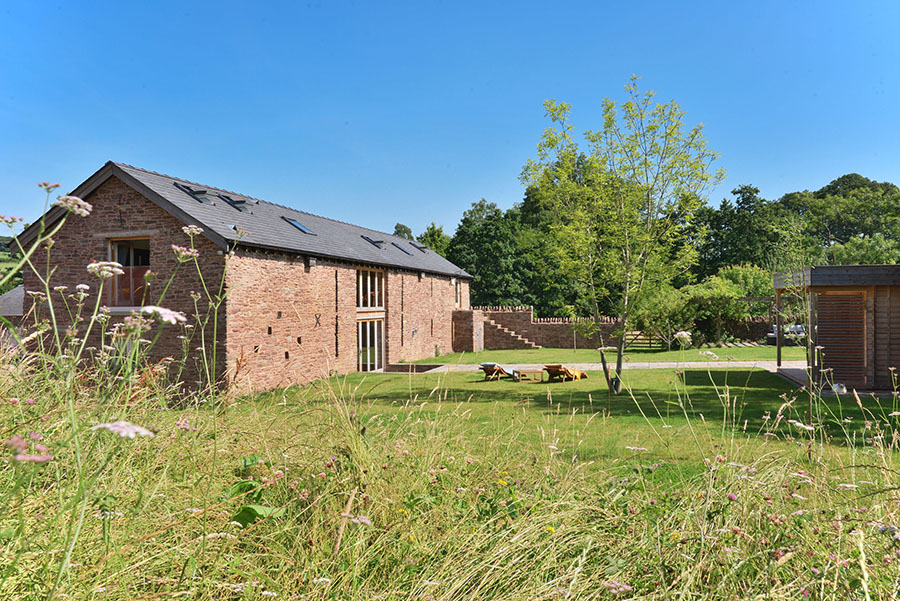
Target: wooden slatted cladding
x: 887, y: 335
x: 841, y: 329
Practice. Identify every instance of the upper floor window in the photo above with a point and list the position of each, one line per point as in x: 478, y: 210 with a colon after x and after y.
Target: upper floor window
x: 369, y: 289
x: 128, y: 289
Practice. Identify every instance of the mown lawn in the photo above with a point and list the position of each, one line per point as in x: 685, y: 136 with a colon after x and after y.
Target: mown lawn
x: 554, y: 355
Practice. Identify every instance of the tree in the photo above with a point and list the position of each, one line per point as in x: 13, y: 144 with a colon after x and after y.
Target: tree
x: 403, y: 231
x: 434, y: 238
x: 485, y: 246
x: 752, y: 281
x: 625, y: 202
x: 715, y: 300
x: 663, y: 312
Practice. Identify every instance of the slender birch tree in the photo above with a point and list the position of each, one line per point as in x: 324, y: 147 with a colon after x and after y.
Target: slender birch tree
x: 624, y: 200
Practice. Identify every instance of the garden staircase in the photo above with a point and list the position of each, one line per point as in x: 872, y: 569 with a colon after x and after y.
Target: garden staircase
x: 503, y: 338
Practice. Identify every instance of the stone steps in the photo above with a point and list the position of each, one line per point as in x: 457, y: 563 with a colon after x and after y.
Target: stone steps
x: 520, y: 341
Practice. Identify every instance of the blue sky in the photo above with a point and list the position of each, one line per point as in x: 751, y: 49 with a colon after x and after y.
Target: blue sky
x: 378, y: 112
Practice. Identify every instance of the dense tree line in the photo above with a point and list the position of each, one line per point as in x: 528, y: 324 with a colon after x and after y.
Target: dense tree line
x: 852, y: 220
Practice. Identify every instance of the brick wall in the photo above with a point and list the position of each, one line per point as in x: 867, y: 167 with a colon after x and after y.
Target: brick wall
x: 118, y: 211
x: 468, y: 331
x: 552, y: 332
x: 419, y: 315
x: 288, y: 323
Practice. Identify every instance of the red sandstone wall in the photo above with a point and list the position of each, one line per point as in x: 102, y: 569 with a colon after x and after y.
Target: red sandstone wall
x: 117, y: 211
x: 554, y: 332
x: 419, y: 315
x: 315, y: 334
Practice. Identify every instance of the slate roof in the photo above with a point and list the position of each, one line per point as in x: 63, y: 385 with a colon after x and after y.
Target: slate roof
x: 266, y: 225
x: 12, y: 303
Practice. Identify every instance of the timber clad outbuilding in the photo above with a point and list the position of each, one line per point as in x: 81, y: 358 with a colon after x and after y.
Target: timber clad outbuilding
x: 305, y: 296
x: 854, y: 317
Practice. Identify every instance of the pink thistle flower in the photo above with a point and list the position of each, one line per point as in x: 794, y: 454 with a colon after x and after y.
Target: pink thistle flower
x: 732, y: 496
x: 13, y: 401
x: 124, y: 429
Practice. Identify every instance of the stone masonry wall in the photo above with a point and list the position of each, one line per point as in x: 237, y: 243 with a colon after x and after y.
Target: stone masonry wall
x: 419, y: 315
x: 120, y: 212
x: 288, y: 323
x: 468, y: 331
x: 553, y: 332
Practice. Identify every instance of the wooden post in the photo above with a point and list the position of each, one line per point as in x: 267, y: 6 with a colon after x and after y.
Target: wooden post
x: 813, y: 354
x: 779, y: 324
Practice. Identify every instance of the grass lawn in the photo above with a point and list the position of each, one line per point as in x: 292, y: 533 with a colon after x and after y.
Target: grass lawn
x: 555, y: 355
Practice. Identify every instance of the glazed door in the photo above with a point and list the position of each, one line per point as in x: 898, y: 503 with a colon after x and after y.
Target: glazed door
x: 370, y: 344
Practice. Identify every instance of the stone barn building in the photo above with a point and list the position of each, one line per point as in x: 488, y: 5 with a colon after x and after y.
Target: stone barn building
x: 304, y: 296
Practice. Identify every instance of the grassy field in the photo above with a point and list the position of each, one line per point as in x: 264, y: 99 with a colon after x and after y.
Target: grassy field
x: 386, y: 486
x: 552, y: 355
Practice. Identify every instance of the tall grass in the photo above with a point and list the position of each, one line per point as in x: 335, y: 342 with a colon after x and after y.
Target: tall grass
x: 321, y: 493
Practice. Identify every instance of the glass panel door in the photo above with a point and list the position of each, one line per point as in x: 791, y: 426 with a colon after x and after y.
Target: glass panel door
x: 370, y: 345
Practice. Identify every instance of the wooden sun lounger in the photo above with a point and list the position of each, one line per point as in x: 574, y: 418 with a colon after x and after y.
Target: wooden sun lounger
x: 557, y: 370
x: 494, y: 371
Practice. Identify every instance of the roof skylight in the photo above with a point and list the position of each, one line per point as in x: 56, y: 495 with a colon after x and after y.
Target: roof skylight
x: 419, y: 247
x: 238, y: 203
x: 401, y: 248
x: 201, y: 196
x: 299, y: 225
x: 375, y: 243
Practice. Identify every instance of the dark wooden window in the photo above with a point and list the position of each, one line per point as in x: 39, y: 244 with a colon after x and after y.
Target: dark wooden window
x: 129, y: 289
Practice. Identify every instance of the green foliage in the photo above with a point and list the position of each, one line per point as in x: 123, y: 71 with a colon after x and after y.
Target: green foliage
x: 663, y: 311
x: 403, y: 231
x: 434, y: 238
x: 715, y: 300
x: 865, y: 250
x: 485, y: 246
x: 248, y: 514
x: 753, y: 282
x: 625, y: 201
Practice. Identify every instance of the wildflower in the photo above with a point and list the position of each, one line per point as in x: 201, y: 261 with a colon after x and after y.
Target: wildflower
x: 124, y: 429
x: 42, y: 458
x: 321, y: 580
x: 165, y: 315
x: 732, y: 496
x: 184, y: 425
x: 303, y: 494
x: 29, y: 401
x: 893, y: 413
x: 192, y: 230
x: 73, y: 204
x: 636, y: 448
x: 36, y: 436
x: 683, y: 338
x: 846, y: 486
x: 82, y: 287
x: 13, y: 401
x: 105, y: 269
x: 616, y: 587
x: 362, y: 520
x: 501, y: 482
x: 16, y: 442
x: 185, y: 254
x: 550, y: 529
x: 269, y: 594
x: 432, y: 583
x: 10, y: 220
x: 709, y: 354
x: 48, y: 186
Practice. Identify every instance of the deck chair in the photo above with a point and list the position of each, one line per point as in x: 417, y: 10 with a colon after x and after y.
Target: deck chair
x: 494, y: 371
x: 557, y: 370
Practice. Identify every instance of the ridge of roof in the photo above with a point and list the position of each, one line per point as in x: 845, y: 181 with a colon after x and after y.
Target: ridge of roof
x: 186, y: 181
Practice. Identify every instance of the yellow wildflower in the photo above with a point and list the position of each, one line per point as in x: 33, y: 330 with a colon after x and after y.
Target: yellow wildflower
x: 501, y: 482
x: 550, y: 529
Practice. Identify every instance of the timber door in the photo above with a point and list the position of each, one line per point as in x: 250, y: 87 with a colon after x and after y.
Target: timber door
x: 841, y: 332
x: 370, y: 345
